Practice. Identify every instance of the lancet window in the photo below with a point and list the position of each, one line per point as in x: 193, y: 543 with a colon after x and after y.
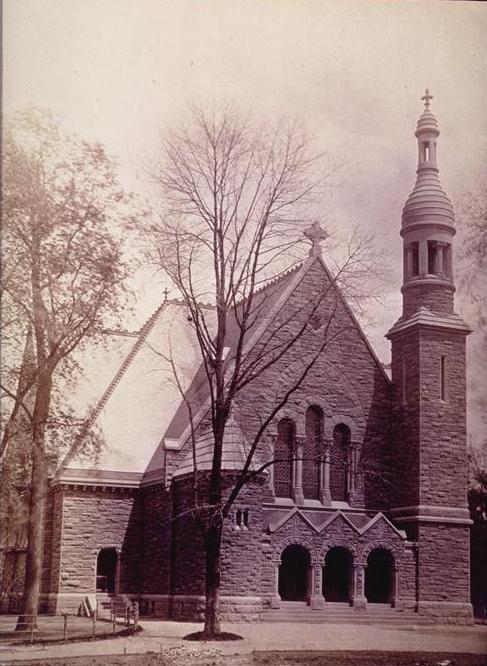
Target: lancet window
x: 339, y: 462
x: 283, y: 455
x: 311, y: 452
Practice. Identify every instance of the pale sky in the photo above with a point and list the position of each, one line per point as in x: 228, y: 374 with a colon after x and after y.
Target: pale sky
x: 118, y: 71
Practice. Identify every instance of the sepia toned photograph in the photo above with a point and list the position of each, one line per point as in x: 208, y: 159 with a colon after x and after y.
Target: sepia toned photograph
x: 243, y: 333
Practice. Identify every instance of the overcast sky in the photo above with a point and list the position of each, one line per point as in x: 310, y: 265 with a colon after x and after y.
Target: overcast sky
x: 353, y: 72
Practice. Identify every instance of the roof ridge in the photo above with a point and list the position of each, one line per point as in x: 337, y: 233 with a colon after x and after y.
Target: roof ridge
x: 275, y: 280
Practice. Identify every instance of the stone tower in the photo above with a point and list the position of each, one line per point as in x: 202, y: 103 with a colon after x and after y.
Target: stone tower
x: 428, y: 373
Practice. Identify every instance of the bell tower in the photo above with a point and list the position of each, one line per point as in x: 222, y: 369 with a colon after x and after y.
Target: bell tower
x: 428, y: 374
x: 427, y: 228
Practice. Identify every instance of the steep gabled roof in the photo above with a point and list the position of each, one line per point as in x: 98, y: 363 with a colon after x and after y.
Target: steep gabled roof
x: 136, y: 406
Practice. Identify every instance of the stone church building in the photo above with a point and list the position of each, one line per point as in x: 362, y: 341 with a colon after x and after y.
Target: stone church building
x: 365, y: 504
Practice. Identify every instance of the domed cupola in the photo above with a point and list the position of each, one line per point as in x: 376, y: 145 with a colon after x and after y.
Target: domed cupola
x: 427, y: 227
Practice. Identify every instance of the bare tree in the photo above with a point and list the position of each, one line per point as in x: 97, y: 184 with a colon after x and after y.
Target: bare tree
x: 63, y: 270
x: 236, y: 200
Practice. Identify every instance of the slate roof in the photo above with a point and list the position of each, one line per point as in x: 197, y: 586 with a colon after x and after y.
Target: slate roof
x: 140, y: 398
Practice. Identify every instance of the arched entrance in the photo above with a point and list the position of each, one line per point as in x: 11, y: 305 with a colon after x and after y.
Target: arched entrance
x: 337, y: 574
x: 379, y: 576
x: 294, y: 574
x: 106, y: 570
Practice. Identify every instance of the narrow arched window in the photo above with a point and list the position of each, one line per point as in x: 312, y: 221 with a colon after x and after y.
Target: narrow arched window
x: 283, y: 456
x: 311, y: 452
x: 339, y: 462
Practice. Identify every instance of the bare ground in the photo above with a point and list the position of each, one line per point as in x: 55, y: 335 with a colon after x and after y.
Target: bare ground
x: 212, y: 657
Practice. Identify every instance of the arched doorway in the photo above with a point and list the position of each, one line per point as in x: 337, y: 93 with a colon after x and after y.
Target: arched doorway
x: 379, y: 576
x: 337, y: 574
x: 294, y: 574
x: 106, y: 570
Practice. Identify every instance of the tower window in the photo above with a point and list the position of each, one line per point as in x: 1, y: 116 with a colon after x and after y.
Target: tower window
x: 415, y: 258
x: 426, y: 151
x: 443, y: 378
x: 432, y: 257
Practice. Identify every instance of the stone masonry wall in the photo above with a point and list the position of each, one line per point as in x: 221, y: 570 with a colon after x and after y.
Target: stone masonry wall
x: 157, y: 541
x: 346, y: 381
x: 437, y: 298
x: 443, y: 426
x: 94, y: 519
x: 444, y: 572
x: 406, y: 418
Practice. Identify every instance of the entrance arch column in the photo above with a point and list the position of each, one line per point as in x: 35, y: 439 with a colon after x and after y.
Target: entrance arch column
x: 276, y: 597
x: 358, y: 596
x: 316, y: 598
x: 396, y: 595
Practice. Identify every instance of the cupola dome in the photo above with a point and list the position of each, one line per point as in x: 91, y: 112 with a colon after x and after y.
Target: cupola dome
x: 428, y: 203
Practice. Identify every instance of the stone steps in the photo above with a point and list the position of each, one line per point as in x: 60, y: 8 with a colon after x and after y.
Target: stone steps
x: 335, y: 613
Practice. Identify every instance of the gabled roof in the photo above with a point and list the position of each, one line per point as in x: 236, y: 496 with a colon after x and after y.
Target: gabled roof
x: 141, y: 411
x: 140, y: 398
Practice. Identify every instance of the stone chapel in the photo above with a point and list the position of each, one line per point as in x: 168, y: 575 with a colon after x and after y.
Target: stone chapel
x: 364, y: 509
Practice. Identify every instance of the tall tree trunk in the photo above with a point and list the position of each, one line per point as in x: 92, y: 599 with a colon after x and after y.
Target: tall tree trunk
x: 37, y: 501
x: 213, y: 540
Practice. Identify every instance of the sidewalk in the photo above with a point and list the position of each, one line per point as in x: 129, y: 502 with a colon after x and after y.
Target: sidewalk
x: 167, y: 636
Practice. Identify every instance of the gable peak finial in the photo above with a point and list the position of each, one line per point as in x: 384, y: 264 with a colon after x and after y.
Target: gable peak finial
x: 427, y: 98
x: 316, y: 234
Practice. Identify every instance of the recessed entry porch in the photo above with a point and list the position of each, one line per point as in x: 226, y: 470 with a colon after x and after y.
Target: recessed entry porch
x: 336, y: 580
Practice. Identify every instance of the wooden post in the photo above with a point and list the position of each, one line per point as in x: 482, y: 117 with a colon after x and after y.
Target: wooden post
x: 65, y: 629
x: 32, y: 629
x: 94, y: 623
x: 136, y: 616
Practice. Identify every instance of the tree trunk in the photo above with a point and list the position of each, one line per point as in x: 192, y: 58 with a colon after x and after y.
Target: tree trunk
x: 38, y: 488
x: 213, y: 540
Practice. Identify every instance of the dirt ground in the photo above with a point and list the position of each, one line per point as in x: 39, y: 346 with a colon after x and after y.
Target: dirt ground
x: 212, y: 657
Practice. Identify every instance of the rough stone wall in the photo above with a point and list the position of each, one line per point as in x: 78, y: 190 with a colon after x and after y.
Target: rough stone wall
x: 187, y: 556
x: 406, y: 418
x: 443, y: 426
x: 95, y: 519
x: 157, y: 529
x: 437, y: 298
x: 444, y: 562
x: 345, y: 381
x: 242, y: 546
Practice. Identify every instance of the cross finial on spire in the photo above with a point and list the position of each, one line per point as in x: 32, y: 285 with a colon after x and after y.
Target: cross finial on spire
x: 315, y: 233
x: 427, y: 97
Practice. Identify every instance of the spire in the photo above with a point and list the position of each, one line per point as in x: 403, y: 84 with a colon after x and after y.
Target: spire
x: 427, y: 227
x: 428, y: 202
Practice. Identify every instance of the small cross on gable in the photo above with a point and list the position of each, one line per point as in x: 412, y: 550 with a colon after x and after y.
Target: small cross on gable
x: 316, y: 234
